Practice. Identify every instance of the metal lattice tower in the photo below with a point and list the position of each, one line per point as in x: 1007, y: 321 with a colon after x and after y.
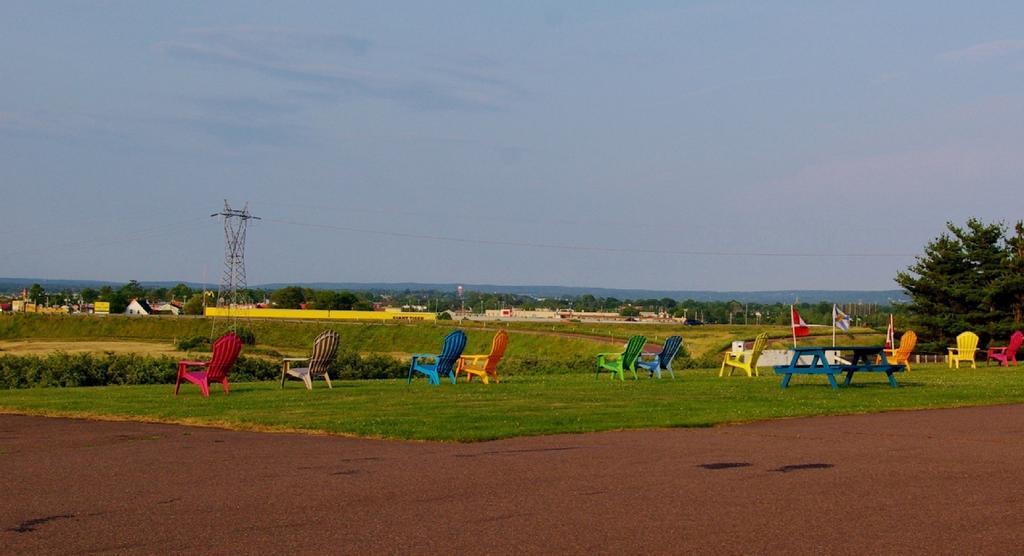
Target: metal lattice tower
x: 233, y: 280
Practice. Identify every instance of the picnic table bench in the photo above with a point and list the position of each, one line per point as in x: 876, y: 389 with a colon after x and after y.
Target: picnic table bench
x: 862, y: 361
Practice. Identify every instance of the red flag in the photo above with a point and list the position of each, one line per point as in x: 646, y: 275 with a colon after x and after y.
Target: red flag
x: 890, y: 335
x: 800, y: 327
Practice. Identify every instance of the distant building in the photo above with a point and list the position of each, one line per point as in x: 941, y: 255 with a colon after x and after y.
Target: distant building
x: 139, y: 307
x: 167, y: 308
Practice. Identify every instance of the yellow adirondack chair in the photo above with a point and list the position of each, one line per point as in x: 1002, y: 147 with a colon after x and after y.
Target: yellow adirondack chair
x: 746, y: 361
x: 966, y: 346
x: 471, y: 364
x: 908, y: 341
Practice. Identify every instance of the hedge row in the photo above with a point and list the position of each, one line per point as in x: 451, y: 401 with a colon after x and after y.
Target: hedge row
x: 84, y: 369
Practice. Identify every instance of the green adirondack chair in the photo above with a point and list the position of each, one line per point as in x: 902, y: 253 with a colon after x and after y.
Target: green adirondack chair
x: 619, y: 362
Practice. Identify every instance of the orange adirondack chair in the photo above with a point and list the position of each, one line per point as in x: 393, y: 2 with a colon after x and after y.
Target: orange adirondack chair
x: 908, y: 341
x: 470, y: 364
x: 1008, y: 353
x: 966, y: 346
x: 225, y: 352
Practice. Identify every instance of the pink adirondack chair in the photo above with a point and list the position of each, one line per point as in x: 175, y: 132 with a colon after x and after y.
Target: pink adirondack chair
x: 225, y: 352
x: 1008, y: 353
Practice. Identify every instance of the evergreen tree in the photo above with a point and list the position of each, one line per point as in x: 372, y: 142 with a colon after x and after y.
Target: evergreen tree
x: 955, y: 285
x: 1009, y: 287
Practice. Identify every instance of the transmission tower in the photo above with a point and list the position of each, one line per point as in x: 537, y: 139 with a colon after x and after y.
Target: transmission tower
x: 233, y: 280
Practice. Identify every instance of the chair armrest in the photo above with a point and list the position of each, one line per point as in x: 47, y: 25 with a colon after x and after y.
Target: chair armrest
x: 652, y: 354
x: 474, y: 358
x: 194, y: 363
x: 294, y: 359
x: 999, y: 350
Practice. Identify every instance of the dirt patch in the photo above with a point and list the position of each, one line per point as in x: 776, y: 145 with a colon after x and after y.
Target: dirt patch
x: 45, y: 347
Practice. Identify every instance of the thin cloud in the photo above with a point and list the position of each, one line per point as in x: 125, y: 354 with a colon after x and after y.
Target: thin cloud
x: 57, y: 124
x: 242, y: 106
x: 253, y: 38
x: 984, y: 51
x: 319, y: 64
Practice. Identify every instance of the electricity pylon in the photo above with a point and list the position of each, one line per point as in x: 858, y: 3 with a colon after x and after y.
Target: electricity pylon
x: 232, y: 281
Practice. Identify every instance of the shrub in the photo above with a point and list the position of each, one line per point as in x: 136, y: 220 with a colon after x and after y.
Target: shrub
x: 350, y: 365
x: 192, y: 342
x: 245, y: 334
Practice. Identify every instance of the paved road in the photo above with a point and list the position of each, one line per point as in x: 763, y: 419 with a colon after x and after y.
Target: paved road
x: 944, y: 481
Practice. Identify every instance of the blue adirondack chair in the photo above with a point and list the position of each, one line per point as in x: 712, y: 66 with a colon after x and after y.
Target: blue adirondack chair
x: 663, y: 361
x: 443, y: 363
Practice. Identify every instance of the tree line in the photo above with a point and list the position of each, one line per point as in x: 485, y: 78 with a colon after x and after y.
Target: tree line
x: 295, y: 297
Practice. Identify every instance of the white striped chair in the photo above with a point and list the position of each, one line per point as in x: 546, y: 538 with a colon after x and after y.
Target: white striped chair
x: 325, y: 347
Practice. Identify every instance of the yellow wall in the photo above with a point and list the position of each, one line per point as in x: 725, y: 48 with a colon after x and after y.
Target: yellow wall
x: 317, y: 315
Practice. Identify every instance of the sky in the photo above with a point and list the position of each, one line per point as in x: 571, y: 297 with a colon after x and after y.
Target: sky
x: 659, y: 145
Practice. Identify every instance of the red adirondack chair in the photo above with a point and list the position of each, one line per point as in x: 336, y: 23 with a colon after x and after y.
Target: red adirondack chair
x: 1007, y: 353
x: 225, y: 352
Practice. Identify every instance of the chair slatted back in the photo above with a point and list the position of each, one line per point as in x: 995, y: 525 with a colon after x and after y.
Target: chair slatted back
x: 669, y: 350
x: 633, y: 348
x: 498, y: 346
x: 966, y: 344
x: 452, y: 348
x: 759, y: 344
x: 225, y: 353
x: 1016, y: 340
x: 325, y: 348
x: 908, y: 341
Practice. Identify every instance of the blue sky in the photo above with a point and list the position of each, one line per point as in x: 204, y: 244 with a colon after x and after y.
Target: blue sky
x: 663, y: 145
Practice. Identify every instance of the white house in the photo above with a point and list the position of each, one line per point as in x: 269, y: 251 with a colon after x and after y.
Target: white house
x: 138, y: 307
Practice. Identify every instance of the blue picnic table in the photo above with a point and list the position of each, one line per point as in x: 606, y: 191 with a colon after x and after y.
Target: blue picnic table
x: 862, y: 360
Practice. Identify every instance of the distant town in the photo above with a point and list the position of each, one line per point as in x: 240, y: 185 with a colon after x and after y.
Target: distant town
x: 136, y: 299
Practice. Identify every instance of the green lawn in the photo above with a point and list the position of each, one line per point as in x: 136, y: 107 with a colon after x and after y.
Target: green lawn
x: 522, y: 405
x: 548, y: 340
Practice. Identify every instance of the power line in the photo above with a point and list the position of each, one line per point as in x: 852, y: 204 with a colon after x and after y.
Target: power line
x: 591, y: 248
x: 489, y: 218
x: 86, y: 245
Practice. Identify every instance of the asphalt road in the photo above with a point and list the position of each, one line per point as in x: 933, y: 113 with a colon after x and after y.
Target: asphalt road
x: 941, y: 481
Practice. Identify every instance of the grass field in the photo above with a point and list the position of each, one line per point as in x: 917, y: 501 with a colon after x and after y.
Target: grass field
x: 294, y: 337
x: 528, y: 405
x: 553, y: 341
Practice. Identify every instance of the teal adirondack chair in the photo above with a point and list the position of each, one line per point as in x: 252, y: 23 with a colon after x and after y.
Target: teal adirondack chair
x: 618, y: 362
x: 663, y: 361
x: 443, y: 363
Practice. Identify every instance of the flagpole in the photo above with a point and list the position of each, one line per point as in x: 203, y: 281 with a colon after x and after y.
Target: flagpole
x: 792, y: 325
x: 834, y: 315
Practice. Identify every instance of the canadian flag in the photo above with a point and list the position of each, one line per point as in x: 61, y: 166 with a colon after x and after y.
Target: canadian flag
x: 800, y: 327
